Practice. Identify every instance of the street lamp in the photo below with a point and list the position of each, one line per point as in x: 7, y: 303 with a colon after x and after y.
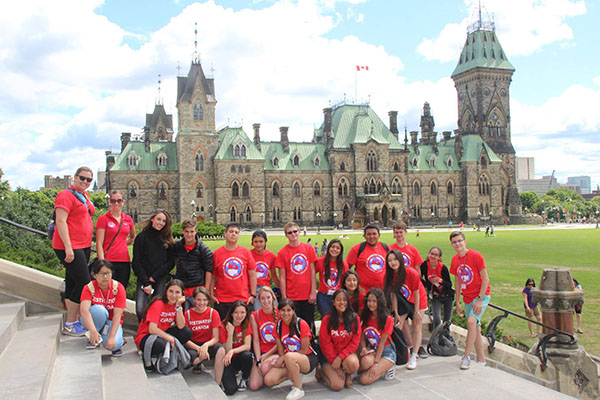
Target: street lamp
x: 433, y: 220
x: 597, y: 212
x: 193, y: 205
x: 334, y: 218
x: 262, y: 215
x: 319, y: 223
x: 478, y: 220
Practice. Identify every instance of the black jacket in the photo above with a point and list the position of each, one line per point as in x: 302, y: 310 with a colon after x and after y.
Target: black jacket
x: 192, y: 266
x: 446, y: 280
x: 150, y: 258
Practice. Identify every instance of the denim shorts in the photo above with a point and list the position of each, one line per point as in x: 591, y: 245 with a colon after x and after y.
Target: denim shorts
x: 389, y: 352
x: 469, y: 308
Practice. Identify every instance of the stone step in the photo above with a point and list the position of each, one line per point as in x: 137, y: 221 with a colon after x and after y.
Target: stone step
x: 26, y: 365
x: 11, y: 316
x: 203, y: 386
x: 77, y: 372
x: 124, y: 377
x: 171, y: 386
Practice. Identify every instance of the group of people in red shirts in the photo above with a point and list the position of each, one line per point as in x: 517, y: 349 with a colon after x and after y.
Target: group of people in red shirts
x: 262, y: 323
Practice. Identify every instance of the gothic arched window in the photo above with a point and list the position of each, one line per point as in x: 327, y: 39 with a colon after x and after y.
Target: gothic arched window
x: 235, y: 190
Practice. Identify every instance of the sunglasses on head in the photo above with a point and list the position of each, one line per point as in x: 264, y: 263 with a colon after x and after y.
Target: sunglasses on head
x: 83, y: 178
x: 115, y: 201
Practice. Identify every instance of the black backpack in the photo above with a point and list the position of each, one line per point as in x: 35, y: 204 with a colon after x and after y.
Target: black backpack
x: 441, y: 343
x: 363, y: 245
x: 402, y: 352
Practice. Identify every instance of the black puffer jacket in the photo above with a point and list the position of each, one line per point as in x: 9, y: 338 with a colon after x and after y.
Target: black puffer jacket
x: 150, y: 257
x: 192, y: 266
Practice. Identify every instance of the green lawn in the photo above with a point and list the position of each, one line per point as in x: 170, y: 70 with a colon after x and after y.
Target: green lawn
x: 511, y: 257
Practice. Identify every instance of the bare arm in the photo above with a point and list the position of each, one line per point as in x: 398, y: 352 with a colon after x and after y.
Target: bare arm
x: 63, y: 232
x: 131, y: 237
x: 283, y: 283
x: 100, y: 243
x: 313, y: 284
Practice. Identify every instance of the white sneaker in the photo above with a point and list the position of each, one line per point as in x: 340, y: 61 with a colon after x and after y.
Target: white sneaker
x: 295, y: 394
x: 465, y: 362
x: 390, y: 374
x: 412, y: 362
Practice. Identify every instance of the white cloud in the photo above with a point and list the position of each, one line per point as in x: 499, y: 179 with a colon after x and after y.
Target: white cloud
x: 523, y: 26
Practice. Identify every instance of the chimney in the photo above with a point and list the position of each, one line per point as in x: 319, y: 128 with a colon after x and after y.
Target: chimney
x: 147, y: 138
x: 413, y: 137
x: 285, y: 144
x: 327, y: 120
x: 256, y: 128
x: 447, y: 134
x: 433, y: 138
x: 110, y: 159
x: 394, y: 122
x: 125, y: 137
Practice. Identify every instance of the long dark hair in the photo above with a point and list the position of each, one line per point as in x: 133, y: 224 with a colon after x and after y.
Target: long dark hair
x: 229, y: 316
x: 163, y: 296
x: 339, y: 260
x: 349, y: 316
x: 288, y: 302
x: 382, y: 309
x: 164, y: 234
x: 354, y: 296
x: 394, y: 279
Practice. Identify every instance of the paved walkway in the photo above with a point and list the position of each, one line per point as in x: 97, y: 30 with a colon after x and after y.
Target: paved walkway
x: 434, y: 378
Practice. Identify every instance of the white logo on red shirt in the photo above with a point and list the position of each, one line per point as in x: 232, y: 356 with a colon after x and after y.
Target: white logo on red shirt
x: 299, y: 263
x: 232, y: 268
x: 406, y: 258
x: 406, y: 292
x: 372, y: 336
x: 291, y: 343
x: 375, y: 263
x: 261, y: 269
x: 465, y: 273
x: 111, y: 224
x: 266, y: 332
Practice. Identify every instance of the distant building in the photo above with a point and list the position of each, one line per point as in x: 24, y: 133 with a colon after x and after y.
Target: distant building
x: 525, y: 168
x: 51, y: 182
x: 539, y: 186
x: 584, y: 182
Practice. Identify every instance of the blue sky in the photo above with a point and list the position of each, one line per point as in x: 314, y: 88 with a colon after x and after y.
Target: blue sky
x: 77, y: 73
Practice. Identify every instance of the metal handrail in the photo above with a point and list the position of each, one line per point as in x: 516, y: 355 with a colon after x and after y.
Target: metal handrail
x: 540, y: 351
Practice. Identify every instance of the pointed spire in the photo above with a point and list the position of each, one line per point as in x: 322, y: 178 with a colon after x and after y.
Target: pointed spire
x: 196, y: 55
x: 158, y: 98
x: 405, y: 137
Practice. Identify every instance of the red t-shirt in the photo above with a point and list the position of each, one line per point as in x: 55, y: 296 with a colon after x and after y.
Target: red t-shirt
x: 238, y: 335
x: 266, y: 329
x: 361, y: 301
x: 106, y: 298
x: 338, y: 342
x: 334, y: 281
x: 411, y: 283
x: 79, y: 221
x: 468, y: 269
x: 411, y: 255
x: 202, y: 324
x: 373, y: 333
x: 118, y: 251
x: 265, y: 263
x: 231, y: 269
x: 370, y: 265
x: 293, y: 343
x: 161, y: 313
x: 296, y: 261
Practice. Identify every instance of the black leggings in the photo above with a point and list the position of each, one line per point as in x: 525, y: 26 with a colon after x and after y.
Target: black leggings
x: 121, y: 272
x: 77, y: 274
x: 158, y: 348
x: 306, y: 311
x: 242, y: 362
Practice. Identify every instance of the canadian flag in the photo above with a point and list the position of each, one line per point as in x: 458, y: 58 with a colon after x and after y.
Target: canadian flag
x: 362, y: 67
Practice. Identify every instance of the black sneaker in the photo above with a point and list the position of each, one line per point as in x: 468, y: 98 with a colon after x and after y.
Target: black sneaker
x: 422, y: 353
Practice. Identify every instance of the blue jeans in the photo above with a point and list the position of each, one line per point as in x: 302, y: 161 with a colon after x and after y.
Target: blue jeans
x: 100, y: 317
x: 323, y: 303
x: 141, y: 298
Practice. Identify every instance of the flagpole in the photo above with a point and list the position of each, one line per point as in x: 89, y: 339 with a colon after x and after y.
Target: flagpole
x: 355, y: 84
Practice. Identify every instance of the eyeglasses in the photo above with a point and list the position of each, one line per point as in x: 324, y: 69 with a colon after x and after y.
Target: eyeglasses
x: 104, y: 274
x: 83, y: 178
x: 292, y: 232
x: 457, y: 241
x: 115, y: 201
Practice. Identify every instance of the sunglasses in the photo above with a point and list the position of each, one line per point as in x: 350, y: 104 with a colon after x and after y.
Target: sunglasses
x: 115, y: 201
x: 83, y: 178
x: 292, y: 232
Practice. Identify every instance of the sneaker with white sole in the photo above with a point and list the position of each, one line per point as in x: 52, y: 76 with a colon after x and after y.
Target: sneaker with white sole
x: 243, y: 385
x: 412, y: 361
x: 73, y: 329
x: 422, y: 353
x: 465, y: 362
x: 295, y: 394
x: 117, y: 353
x: 390, y: 374
x: 90, y: 346
x: 483, y: 364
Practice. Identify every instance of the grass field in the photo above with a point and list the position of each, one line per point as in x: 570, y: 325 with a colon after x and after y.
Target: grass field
x: 511, y: 257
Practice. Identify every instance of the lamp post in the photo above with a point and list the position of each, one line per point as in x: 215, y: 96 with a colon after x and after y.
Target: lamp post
x: 433, y: 220
x: 193, y: 206
x: 319, y: 223
x: 210, y: 211
x: 334, y: 218
x: 478, y: 221
x: 597, y: 212
x: 262, y: 215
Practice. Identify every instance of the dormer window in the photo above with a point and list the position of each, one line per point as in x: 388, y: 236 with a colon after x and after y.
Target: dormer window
x: 161, y: 160
x: 432, y: 162
x: 243, y: 150
x: 236, y: 150
x: 414, y: 162
x: 132, y: 160
x: 296, y: 161
x: 317, y: 162
x: 239, y: 150
x: 275, y: 162
x: 449, y: 162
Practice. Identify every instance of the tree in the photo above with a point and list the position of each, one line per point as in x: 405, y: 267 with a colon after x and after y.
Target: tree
x: 528, y: 199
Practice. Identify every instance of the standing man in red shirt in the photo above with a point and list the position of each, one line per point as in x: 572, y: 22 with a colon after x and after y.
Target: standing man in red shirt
x: 234, y: 271
x: 368, y: 258
x: 296, y: 263
x: 471, y: 278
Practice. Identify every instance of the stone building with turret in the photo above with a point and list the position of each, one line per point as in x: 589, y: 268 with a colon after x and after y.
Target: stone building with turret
x: 356, y: 169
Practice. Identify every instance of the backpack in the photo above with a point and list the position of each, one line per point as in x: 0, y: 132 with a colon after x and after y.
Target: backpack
x: 363, y: 245
x: 115, y: 287
x: 189, y: 316
x: 441, y: 343
x: 402, y: 351
x: 312, y: 345
x: 52, y: 224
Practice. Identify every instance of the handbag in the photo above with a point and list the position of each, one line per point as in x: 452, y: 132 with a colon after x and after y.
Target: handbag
x: 93, y: 260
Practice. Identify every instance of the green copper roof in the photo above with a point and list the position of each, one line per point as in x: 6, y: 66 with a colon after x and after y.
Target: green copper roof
x: 229, y: 138
x: 482, y: 49
x: 147, y: 161
x: 358, y: 124
x: 427, y: 160
x: 307, y: 154
x: 473, y: 145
